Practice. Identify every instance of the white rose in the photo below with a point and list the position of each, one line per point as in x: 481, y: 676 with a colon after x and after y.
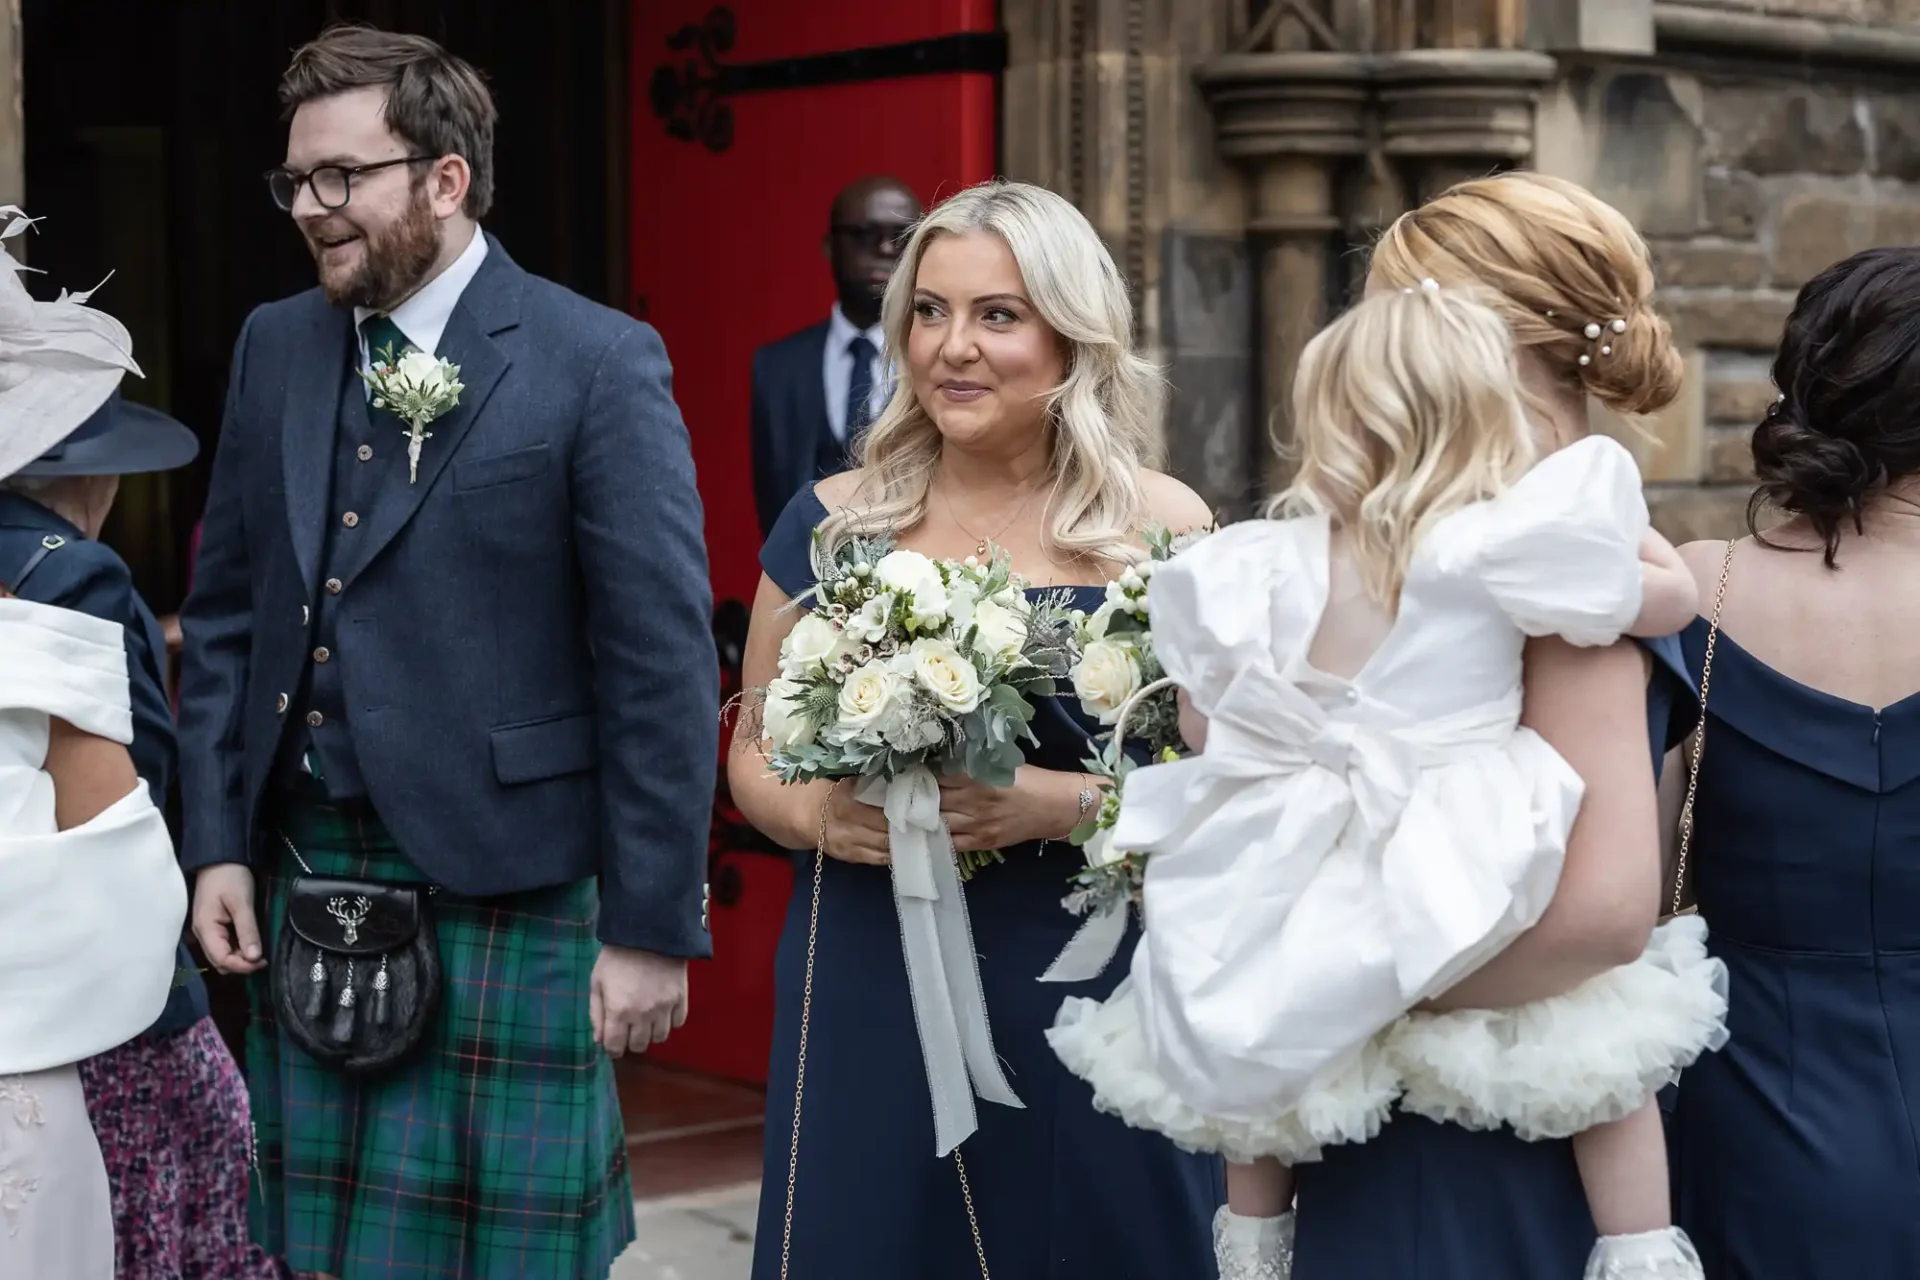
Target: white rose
x: 912, y: 575
x: 813, y: 643
x: 781, y: 716
x: 869, y: 624
x: 942, y: 672
x: 1095, y: 626
x: 427, y: 375
x: 1099, y: 849
x: 1107, y: 675
x: 871, y: 698
x: 1002, y: 631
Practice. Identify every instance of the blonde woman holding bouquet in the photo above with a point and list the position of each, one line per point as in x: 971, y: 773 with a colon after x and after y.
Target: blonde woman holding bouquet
x: 1021, y: 422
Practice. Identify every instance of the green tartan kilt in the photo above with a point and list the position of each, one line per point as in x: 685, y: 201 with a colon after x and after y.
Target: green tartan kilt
x: 496, y: 1151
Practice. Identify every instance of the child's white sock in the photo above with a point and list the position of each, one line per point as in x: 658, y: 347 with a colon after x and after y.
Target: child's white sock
x: 1253, y: 1248
x: 1665, y: 1254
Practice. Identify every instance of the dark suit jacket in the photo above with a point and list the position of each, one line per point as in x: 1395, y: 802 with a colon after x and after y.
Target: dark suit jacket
x: 524, y: 635
x: 88, y: 577
x: 789, y: 419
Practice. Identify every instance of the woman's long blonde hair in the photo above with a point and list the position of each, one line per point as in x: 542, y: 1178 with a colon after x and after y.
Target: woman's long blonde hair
x: 1406, y: 408
x: 1101, y: 416
x: 1566, y: 271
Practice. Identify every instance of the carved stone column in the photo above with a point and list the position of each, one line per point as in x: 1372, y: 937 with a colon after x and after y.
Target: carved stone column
x: 1290, y: 107
x: 1448, y: 115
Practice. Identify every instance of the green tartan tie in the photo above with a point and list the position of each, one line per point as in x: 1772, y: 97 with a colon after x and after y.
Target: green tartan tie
x: 384, y: 340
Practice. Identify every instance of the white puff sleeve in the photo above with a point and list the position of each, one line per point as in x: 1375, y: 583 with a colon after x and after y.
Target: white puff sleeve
x: 1212, y: 608
x: 1560, y: 550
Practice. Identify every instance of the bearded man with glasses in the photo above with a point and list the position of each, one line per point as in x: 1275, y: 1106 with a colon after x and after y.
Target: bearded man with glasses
x: 468, y: 710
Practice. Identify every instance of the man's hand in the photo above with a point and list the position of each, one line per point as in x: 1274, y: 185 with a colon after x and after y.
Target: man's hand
x: 637, y: 999
x: 223, y: 919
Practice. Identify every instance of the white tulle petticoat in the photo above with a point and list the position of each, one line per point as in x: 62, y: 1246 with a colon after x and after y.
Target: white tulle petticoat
x: 1548, y: 1069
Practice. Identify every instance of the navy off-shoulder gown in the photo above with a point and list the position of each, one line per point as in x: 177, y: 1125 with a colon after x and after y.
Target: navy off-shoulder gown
x: 1062, y: 1192
x: 1796, y: 1149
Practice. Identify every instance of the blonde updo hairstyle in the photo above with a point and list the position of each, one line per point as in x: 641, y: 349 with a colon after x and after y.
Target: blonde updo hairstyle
x: 1406, y: 408
x: 1101, y: 416
x: 1563, y: 266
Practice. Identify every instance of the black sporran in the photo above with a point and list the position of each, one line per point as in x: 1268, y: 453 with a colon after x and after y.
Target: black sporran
x: 356, y: 973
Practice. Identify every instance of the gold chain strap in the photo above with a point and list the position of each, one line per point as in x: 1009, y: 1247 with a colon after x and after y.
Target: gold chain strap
x: 1699, y: 744
x: 800, y: 1072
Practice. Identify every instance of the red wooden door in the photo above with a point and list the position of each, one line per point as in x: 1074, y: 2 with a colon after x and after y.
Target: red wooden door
x: 748, y: 119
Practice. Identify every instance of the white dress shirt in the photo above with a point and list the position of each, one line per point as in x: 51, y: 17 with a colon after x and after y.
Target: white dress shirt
x: 838, y: 370
x: 423, y: 316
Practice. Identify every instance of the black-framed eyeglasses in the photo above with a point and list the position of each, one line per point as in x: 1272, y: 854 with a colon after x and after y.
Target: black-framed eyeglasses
x: 332, y: 184
x: 875, y: 237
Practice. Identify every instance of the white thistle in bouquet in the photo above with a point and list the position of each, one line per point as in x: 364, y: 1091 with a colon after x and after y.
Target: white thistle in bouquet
x: 416, y: 388
x: 904, y: 661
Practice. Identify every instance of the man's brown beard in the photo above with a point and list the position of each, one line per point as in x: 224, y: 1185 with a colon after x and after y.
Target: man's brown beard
x: 394, y: 262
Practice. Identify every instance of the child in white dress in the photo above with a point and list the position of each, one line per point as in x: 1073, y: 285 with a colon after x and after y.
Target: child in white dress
x: 1367, y: 823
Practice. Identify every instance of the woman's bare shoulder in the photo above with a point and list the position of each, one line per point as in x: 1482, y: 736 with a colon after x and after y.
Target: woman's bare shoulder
x: 848, y: 488
x: 1172, y: 505
x: 1704, y: 559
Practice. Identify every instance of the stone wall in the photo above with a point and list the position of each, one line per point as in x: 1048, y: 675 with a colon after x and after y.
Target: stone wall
x: 1870, y: 12
x: 1746, y: 184
x: 1098, y: 102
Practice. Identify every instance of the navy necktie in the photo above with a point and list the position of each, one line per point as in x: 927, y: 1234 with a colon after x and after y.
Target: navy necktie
x: 859, y: 383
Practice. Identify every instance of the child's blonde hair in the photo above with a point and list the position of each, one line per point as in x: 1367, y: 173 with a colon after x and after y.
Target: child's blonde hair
x: 1406, y: 408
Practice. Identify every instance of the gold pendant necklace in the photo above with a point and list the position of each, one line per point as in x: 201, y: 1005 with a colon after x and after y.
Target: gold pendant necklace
x: 983, y: 545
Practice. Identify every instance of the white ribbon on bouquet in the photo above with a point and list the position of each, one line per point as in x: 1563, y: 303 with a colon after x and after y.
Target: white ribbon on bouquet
x: 1093, y: 945
x: 949, y: 1007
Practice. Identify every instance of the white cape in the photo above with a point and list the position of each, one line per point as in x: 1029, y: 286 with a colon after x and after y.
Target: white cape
x: 90, y: 918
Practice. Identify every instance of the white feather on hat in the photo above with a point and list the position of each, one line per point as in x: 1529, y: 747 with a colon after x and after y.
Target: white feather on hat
x: 59, y: 360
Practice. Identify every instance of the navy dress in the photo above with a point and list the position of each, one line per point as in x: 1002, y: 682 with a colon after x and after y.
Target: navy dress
x: 1429, y: 1201
x: 1796, y: 1149
x: 1062, y: 1192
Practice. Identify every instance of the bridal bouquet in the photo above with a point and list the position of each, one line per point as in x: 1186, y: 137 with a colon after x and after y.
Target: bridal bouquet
x: 906, y: 661
x: 905, y: 667
x: 1119, y: 683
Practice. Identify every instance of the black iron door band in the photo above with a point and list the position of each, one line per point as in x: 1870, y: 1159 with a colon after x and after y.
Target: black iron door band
x: 689, y: 91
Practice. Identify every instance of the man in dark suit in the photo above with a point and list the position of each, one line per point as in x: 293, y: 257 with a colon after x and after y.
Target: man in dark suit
x: 497, y: 679
x: 815, y: 389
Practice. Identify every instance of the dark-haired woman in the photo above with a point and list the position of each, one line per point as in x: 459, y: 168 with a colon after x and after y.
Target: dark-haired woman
x: 1796, y: 1149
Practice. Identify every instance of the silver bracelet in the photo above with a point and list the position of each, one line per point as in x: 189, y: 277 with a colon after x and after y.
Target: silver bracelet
x: 1088, y: 799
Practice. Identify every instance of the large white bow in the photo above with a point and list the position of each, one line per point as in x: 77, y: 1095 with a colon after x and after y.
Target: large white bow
x: 1280, y: 769
x: 948, y: 1005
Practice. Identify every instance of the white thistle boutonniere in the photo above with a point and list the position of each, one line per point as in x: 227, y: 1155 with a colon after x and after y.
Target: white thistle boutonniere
x: 417, y: 388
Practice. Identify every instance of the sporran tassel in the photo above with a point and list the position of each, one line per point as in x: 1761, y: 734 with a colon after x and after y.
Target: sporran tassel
x: 316, y: 991
x: 343, y: 1013
x: 382, y: 1013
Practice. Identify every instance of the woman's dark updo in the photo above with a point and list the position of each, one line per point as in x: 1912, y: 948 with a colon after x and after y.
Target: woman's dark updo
x: 1848, y: 420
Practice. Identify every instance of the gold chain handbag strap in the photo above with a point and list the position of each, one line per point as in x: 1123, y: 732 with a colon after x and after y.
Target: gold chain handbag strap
x: 800, y: 1071
x: 1699, y: 743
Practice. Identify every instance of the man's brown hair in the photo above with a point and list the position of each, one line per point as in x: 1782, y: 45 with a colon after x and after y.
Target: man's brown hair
x: 436, y: 102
